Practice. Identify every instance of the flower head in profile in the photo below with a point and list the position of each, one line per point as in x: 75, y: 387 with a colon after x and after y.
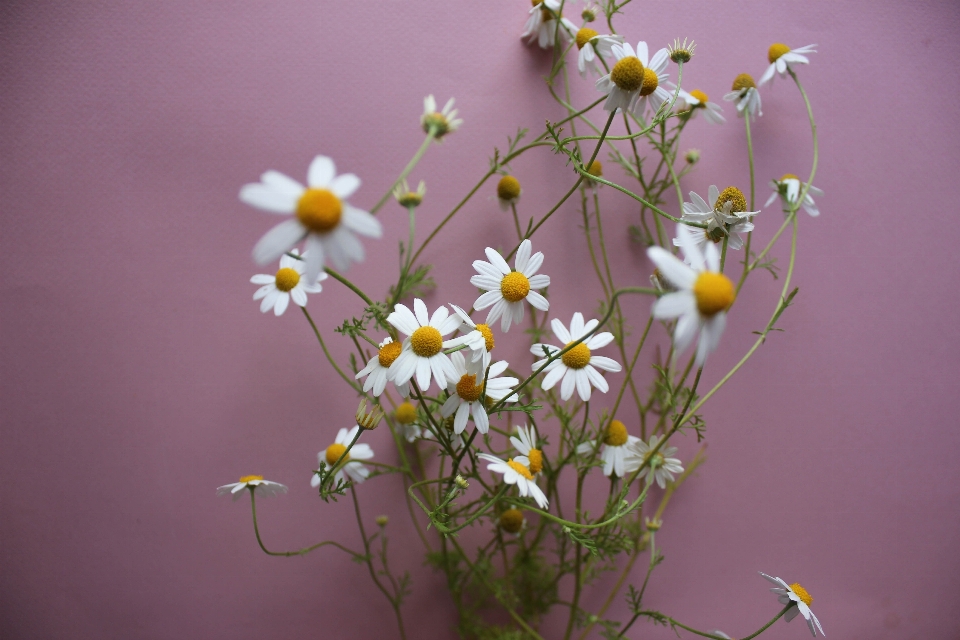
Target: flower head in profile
x: 725, y: 214
x: 506, y: 288
x: 277, y: 290
x: 660, y: 465
x: 349, y: 463
x: 744, y: 93
x: 321, y: 214
x: 479, y: 338
x: 378, y: 366
x: 578, y: 366
x: 517, y: 471
x: 781, y: 57
x: 422, y: 352
x: 681, y: 52
x: 592, y: 46
x: 508, y: 192
x: 697, y: 101
x: 615, y: 443
x: 407, y: 198
x: 634, y: 81
x: 543, y: 24
x: 702, y: 295
x: 263, y: 488
x: 526, y: 443
x: 794, y: 593
x: 468, y: 394
x: 788, y: 188
x: 440, y: 122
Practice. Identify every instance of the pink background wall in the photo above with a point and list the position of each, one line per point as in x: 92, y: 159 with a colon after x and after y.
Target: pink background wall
x: 138, y: 375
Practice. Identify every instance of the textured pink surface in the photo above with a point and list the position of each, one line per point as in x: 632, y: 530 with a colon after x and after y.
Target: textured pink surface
x: 138, y: 375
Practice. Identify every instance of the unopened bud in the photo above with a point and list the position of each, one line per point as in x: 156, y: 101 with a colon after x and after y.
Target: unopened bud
x: 382, y: 521
x: 461, y: 482
x: 693, y: 156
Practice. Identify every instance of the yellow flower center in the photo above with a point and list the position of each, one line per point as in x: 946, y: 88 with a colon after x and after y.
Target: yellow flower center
x: 576, y: 358
x: 616, y: 434
x: 536, y: 460
x: 650, y: 82
x: 595, y: 169
x: 701, y: 96
x: 508, y: 188
x: 519, y: 468
x: 733, y: 196
x: 511, y: 520
x: 743, y: 81
x: 426, y: 342
x: 468, y: 389
x: 405, y: 413
x: 776, y: 50
x: 250, y: 478
x: 388, y: 353
x: 802, y: 593
x: 487, y: 334
x: 628, y: 73
x: 584, y: 36
x: 714, y: 293
x: 287, y: 279
x: 334, y: 452
x: 789, y: 176
x: 319, y: 210
x: 514, y: 286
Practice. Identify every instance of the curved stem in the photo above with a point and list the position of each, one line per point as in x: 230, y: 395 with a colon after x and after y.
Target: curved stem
x: 406, y: 170
x: 301, y: 552
x: 333, y: 362
x: 704, y: 634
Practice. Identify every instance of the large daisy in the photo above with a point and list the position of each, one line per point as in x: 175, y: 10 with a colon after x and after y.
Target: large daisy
x: 377, y: 367
x: 516, y: 471
x: 541, y: 27
x: 724, y: 213
x: 578, y: 366
x: 507, y: 288
x: 277, y: 290
x: 263, y: 488
x: 788, y: 188
x: 744, y: 93
x: 634, y: 81
x: 526, y: 443
x: 593, y: 45
x: 661, y: 465
x: 615, y: 444
x: 781, y: 57
x: 796, y: 594
x: 320, y: 212
x: 702, y: 297
x: 329, y: 456
x: 697, y: 101
x: 422, y: 352
x: 468, y: 394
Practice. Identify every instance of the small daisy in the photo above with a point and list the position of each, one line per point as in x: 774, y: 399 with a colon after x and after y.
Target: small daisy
x: 633, y: 81
x: 703, y: 294
x: 377, y: 367
x: 406, y: 415
x: 440, y: 122
x: 508, y: 192
x: 541, y: 26
x: 287, y: 283
x: 697, y: 101
x: 407, y: 198
x: 788, y: 188
x: 479, y: 340
x: 798, y: 595
x: 468, y: 395
x: 591, y: 45
x: 615, y: 448
x: 576, y: 366
x: 661, y: 467
x: 422, y: 352
x: 320, y: 213
x: 744, y: 93
x: 725, y: 214
x: 264, y: 488
x: 329, y: 456
x: 781, y: 57
x: 517, y: 471
x: 526, y: 443
x: 512, y: 521
x: 506, y: 289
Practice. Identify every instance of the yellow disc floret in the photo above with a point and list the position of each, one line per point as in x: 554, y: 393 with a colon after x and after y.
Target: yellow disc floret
x: 714, y: 293
x: 319, y: 210
x: 578, y: 357
x: 650, y: 82
x: 776, y: 50
x: 628, y: 74
x: 508, y: 188
x: 287, y: 279
x: 405, y: 413
x: 701, y: 96
x: 738, y: 203
x: 520, y: 469
x: 511, y: 520
x: 468, y: 389
x: 426, y: 342
x: 487, y: 334
x: 250, y: 478
x: 584, y: 36
x: 536, y: 460
x: 789, y: 176
x: 743, y: 81
x: 334, y: 452
x: 595, y: 169
x: 616, y: 434
x: 388, y: 353
x: 514, y: 287
x: 802, y: 593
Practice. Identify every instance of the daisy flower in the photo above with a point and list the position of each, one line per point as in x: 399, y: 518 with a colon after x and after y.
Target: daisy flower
x: 407, y: 198
x: 287, y: 283
x: 516, y: 471
x: 468, y: 395
x: 406, y: 415
x: 440, y: 122
x: 378, y: 366
x: 697, y: 101
x: 329, y: 456
x: 422, y: 352
x: 725, y: 214
x: 506, y: 289
x: 798, y: 595
x: 508, y: 192
x: 526, y: 443
x: 264, y: 488
x: 615, y: 448
x: 541, y: 26
x: 788, y: 188
x: 744, y: 93
x: 512, y: 521
x: 320, y: 213
x: 479, y: 339
x: 634, y: 81
x: 578, y: 366
x: 591, y: 44
x: 702, y: 297
x: 661, y: 467
x: 781, y: 57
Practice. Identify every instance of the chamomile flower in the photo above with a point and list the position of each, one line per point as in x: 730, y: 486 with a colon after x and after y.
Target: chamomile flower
x: 697, y: 101
x: 633, y: 81
x: 725, y: 214
x: 277, y: 290
x: 744, y: 93
x: 526, y: 443
x: 506, y: 288
x: 407, y: 198
x: 702, y: 294
x: 479, y: 339
x: 508, y: 192
x: 781, y: 57
x: 591, y: 45
x: 406, y: 415
x: 264, y: 488
x: 422, y: 352
x: 542, y: 26
x: 329, y: 456
x: 378, y: 366
x: 578, y: 366
x: 661, y: 465
x: 440, y: 122
x: 320, y: 212
x: 468, y: 394
x: 512, y: 521
x: 796, y: 594
x: 788, y: 188
x: 615, y: 447
x: 516, y: 471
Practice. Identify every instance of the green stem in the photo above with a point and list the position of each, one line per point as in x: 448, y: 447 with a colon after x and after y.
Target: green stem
x: 406, y: 170
x: 333, y: 362
x: 287, y: 554
x: 749, y: 637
